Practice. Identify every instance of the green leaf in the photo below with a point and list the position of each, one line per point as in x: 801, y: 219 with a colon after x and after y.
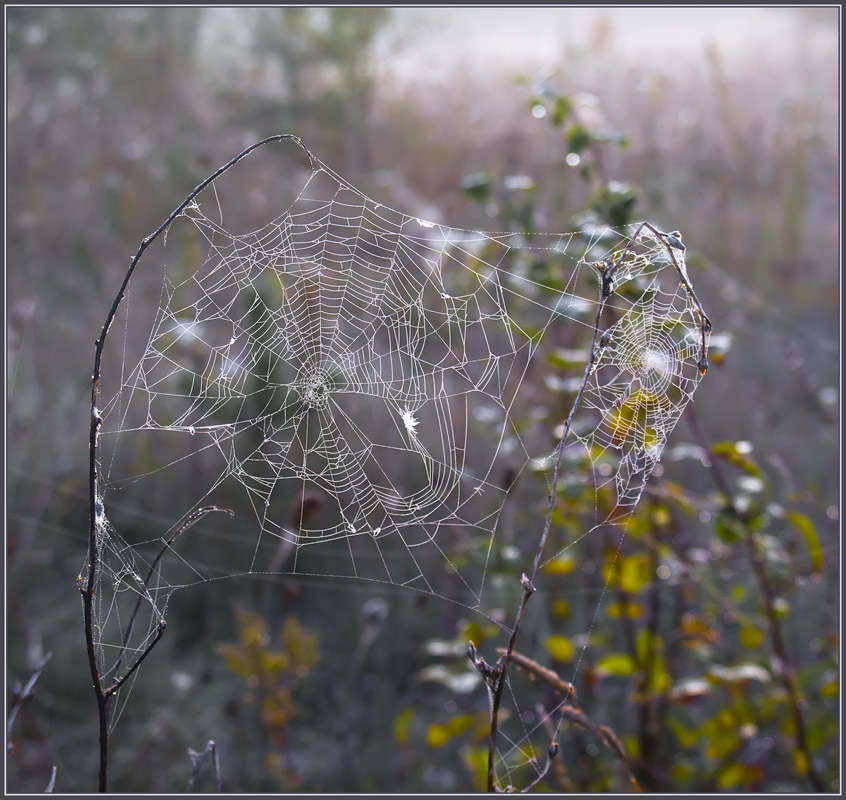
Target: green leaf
x: 812, y: 539
x: 720, y: 734
x: 472, y: 630
x: 615, y: 202
x: 437, y: 735
x: 586, y: 172
x: 682, y: 771
x: 686, y: 737
x: 650, y: 654
x: 561, y: 110
x: 660, y: 515
x: 578, y: 138
x: 561, y: 648
x: 737, y: 454
x: 728, y: 527
x: 478, y: 186
x: 616, y: 664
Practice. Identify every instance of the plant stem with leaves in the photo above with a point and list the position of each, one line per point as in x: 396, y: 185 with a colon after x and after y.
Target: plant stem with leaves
x: 785, y: 668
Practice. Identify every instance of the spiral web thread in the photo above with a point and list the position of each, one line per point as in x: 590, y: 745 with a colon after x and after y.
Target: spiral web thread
x: 364, y: 389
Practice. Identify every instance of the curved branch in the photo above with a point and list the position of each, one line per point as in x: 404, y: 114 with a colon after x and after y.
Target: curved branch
x: 495, y: 677
x: 95, y: 507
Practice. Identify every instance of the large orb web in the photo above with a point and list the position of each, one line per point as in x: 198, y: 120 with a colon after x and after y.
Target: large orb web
x: 366, y: 390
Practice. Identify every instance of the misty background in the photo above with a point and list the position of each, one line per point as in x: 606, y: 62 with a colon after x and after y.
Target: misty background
x: 115, y: 114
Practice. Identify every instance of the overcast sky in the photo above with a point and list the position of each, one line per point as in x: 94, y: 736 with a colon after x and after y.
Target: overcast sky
x: 511, y: 34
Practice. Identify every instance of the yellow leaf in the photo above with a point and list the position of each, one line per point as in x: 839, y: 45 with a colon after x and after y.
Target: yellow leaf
x: 437, y: 735
x: 561, y: 648
x: 562, y: 565
x: 812, y: 540
x: 800, y: 760
x: 616, y: 664
x: 476, y: 760
x: 402, y: 726
x: 635, y: 572
x: 751, y: 637
x: 561, y: 609
x: 732, y: 775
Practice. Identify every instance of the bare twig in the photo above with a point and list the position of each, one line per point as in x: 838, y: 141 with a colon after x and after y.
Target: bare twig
x: 606, y: 736
x: 192, y: 520
x: 95, y: 506
x: 52, y: 784
x: 786, y: 670
x: 120, y: 681
x: 650, y: 704
x: 495, y: 676
x: 197, y: 761
x: 572, y: 712
x: 20, y: 696
x: 562, y: 778
x: 550, y: 758
x: 548, y: 676
x: 672, y: 242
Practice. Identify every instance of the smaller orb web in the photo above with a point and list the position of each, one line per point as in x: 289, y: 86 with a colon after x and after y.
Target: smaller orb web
x: 371, y: 396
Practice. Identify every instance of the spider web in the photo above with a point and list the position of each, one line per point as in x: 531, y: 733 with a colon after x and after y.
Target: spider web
x: 368, y: 393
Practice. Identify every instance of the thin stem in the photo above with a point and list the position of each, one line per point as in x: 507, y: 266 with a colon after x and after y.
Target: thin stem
x: 559, y: 771
x: 495, y: 676
x: 52, y: 784
x: 671, y: 244
x: 606, y: 735
x: 95, y: 508
x: 548, y: 676
x: 550, y: 757
x: 22, y: 695
x: 192, y: 520
x: 786, y: 670
x: 118, y: 683
x: 216, y: 763
x: 572, y: 712
x: 651, y: 704
x: 197, y: 761
x: 501, y: 669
